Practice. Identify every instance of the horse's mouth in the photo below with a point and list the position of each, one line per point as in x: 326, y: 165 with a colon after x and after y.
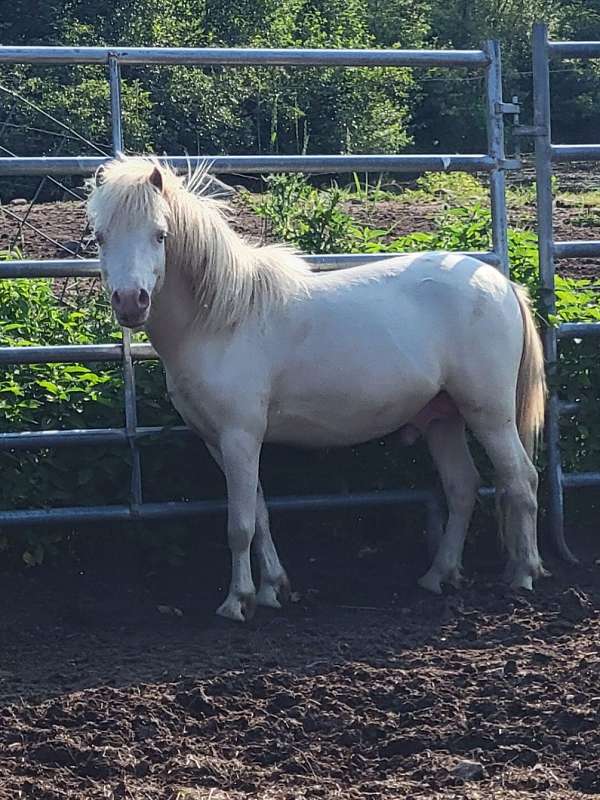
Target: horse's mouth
x: 134, y: 323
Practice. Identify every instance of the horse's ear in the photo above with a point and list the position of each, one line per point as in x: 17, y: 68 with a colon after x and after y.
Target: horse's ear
x: 100, y: 175
x: 156, y: 179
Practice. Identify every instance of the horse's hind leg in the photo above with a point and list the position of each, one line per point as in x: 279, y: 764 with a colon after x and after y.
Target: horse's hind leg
x: 517, y: 481
x: 448, y: 446
x: 274, y: 584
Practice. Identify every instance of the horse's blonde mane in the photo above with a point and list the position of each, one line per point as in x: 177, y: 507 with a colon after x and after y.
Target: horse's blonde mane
x: 229, y: 277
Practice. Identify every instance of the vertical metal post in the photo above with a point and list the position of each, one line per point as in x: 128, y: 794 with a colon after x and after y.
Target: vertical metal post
x: 495, y: 130
x: 543, y: 168
x: 116, y: 124
x: 516, y: 123
x: 128, y: 369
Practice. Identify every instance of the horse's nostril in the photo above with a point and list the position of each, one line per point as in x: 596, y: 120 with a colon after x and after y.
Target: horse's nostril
x: 144, y: 298
x: 116, y: 299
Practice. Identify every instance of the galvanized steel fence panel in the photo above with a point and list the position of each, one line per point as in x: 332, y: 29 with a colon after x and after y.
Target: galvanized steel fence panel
x: 545, y: 154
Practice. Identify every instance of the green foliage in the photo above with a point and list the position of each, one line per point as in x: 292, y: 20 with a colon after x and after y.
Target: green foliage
x: 312, y: 220
x: 451, y: 188
x: 215, y: 110
x: 450, y: 114
x: 69, y: 396
x: 50, y: 396
x: 10, y: 255
x: 289, y: 110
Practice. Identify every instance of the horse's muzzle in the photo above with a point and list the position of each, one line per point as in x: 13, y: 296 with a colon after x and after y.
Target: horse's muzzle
x: 131, y: 307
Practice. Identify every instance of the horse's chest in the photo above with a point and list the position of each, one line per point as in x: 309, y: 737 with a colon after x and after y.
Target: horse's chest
x: 197, y: 405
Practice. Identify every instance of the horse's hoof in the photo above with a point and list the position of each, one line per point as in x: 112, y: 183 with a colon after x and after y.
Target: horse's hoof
x: 274, y: 594
x: 431, y: 583
x: 455, y: 578
x: 239, y: 608
x: 522, y: 582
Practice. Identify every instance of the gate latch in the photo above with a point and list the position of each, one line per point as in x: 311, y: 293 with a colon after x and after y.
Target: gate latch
x: 508, y: 108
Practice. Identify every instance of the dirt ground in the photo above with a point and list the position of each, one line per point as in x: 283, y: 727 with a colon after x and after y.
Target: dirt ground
x: 120, y: 683
x: 49, y: 225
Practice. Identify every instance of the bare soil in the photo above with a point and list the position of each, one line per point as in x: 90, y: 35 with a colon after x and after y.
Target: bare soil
x: 116, y: 682
x: 52, y: 229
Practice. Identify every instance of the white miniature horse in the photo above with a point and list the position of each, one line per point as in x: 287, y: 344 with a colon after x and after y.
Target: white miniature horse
x: 258, y: 348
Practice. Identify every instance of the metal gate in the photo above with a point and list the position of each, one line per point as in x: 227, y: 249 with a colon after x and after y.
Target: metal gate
x: 493, y: 163
x: 546, y: 154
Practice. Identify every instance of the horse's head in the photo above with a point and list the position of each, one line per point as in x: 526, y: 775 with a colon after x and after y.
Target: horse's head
x: 130, y: 216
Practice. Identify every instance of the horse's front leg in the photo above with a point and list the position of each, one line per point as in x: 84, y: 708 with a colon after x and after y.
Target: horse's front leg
x: 240, y: 454
x: 274, y: 584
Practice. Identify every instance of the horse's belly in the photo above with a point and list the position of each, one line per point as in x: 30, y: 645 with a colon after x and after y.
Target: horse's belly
x: 310, y: 426
x: 303, y: 431
x: 338, y: 423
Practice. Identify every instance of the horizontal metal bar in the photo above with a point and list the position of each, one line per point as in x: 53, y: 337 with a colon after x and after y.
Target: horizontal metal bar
x: 241, y: 56
x: 578, y: 330
x: 156, y: 511
x: 42, y: 165
x: 574, y: 49
x: 51, y: 268
x: 577, y: 249
x: 87, y: 165
x: 528, y: 130
x: 581, y: 480
x: 570, y: 409
x: 575, y: 152
x: 90, y: 268
x: 73, y: 354
x: 36, y: 440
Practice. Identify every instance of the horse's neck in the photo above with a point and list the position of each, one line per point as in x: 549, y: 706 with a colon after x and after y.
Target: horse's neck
x: 172, y: 314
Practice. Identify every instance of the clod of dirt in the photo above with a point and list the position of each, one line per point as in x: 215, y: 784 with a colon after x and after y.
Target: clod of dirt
x: 575, y: 606
x: 197, y: 702
x: 468, y: 771
x: 541, y: 657
x: 281, y: 701
x: 402, y: 746
x: 588, y: 781
x: 511, y: 667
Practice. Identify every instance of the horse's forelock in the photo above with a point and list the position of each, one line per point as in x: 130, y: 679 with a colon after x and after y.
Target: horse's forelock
x: 127, y: 189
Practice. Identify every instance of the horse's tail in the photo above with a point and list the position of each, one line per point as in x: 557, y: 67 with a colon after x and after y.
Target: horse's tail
x: 531, y: 380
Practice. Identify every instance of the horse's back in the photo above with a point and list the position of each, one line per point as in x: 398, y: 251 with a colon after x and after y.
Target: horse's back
x: 408, y: 271
x: 437, y: 294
